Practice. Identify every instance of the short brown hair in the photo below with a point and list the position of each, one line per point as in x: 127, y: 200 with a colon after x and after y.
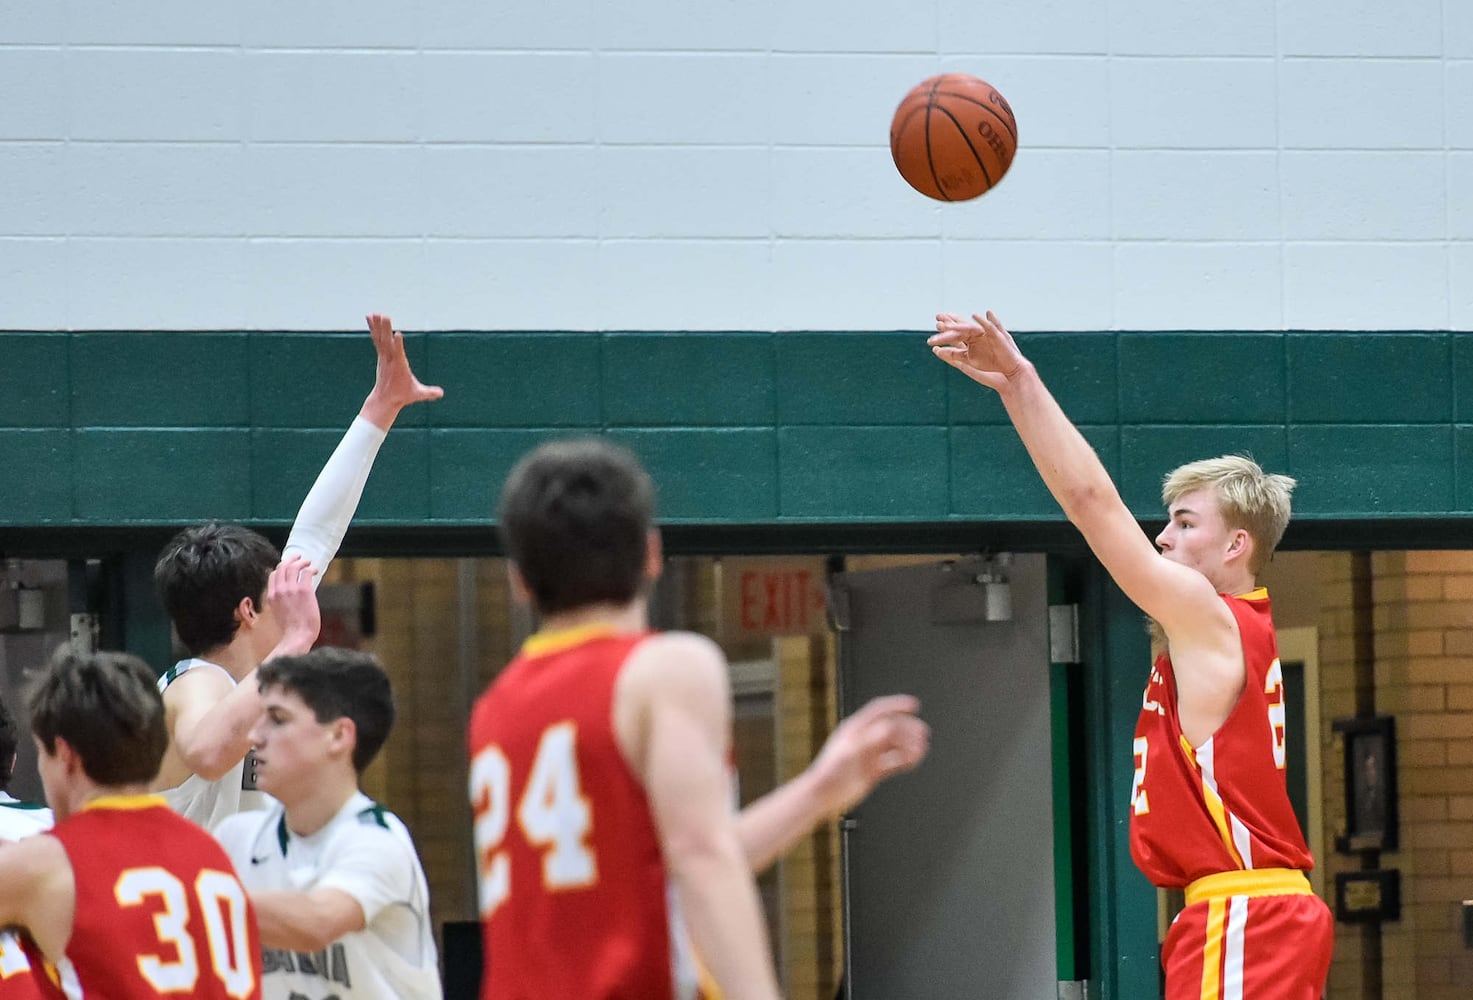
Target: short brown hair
x: 575, y: 518
x: 202, y: 576
x: 108, y: 708
x: 1247, y: 497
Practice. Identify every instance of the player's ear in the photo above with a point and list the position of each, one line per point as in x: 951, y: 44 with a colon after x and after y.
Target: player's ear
x: 67, y: 756
x: 519, y: 588
x: 342, y: 735
x: 246, y: 612
x: 654, y: 555
x: 1240, y: 545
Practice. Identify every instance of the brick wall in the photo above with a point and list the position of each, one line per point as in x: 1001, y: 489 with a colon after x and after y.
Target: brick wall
x: 1423, y: 621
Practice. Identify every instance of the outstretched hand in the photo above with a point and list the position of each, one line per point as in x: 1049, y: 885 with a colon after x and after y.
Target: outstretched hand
x: 980, y: 347
x: 395, y: 385
x: 882, y: 739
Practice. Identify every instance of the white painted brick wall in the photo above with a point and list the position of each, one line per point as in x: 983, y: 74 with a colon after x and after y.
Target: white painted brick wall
x: 723, y: 164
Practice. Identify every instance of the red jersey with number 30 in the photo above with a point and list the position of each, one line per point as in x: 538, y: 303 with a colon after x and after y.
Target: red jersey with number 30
x: 1223, y: 806
x: 159, y: 910
x: 18, y: 968
x: 574, y: 898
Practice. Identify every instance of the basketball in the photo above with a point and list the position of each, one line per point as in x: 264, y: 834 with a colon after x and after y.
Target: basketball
x: 953, y: 137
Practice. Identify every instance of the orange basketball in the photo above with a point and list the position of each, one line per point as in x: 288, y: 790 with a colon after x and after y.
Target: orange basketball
x: 953, y: 137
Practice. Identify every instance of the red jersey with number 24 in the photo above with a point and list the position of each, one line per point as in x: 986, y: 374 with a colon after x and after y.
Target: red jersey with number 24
x: 159, y: 911
x: 1223, y: 806
x: 575, y: 904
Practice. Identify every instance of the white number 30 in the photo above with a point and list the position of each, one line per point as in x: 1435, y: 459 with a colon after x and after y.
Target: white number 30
x: 552, y: 813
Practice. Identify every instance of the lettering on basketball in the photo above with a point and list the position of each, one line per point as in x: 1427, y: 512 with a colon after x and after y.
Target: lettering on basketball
x: 989, y: 135
x: 1277, y: 712
x: 1139, y: 804
x: 1002, y: 102
x: 221, y: 899
x: 13, y: 961
x: 552, y: 812
x: 963, y: 181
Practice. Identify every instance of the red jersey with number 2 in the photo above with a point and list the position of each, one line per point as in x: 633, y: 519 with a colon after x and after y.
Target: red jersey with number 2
x: 1223, y: 806
x: 159, y: 912
x: 574, y: 898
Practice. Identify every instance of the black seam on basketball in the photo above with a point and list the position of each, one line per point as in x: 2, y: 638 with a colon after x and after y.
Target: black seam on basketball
x: 1012, y: 129
x: 897, y: 132
x: 968, y: 140
x: 930, y: 160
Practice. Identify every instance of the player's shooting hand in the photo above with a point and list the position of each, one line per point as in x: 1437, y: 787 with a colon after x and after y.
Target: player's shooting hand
x: 980, y: 347
x: 395, y: 385
x: 882, y: 739
x: 293, y: 598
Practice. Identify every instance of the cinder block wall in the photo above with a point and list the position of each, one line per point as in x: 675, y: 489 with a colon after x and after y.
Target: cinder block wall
x: 663, y: 165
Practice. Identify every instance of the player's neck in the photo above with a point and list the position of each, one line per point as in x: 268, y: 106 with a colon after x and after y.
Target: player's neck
x: 237, y: 657
x: 631, y: 617
x: 309, y: 814
x: 82, y: 792
x: 1237, y: 584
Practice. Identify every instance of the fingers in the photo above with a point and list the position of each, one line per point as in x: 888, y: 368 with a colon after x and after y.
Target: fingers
x: 289, y: 573
x: 429, y: 393
x: 385, y: 338
x: 902, y: 743
x: 886, y: 704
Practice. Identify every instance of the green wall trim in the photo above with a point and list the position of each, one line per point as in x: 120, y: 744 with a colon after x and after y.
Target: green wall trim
x: 114, y: 429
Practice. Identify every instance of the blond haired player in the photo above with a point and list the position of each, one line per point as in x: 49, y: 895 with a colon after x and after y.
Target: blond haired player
x: 1210, y: 809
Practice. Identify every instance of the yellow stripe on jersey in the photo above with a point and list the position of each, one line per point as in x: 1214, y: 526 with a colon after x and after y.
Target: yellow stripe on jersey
x: 1259, y: 882
x: 1215, y: 805
x: 708, y: 988
x: 544, y: 643
x: 126, y: 802
x: 1220, y: 820
x: 1212, y: 950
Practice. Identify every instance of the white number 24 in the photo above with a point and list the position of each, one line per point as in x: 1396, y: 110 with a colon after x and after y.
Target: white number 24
x: 552, y: 813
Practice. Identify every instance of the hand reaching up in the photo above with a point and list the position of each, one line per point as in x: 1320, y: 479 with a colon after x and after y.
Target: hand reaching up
x: 395, y: 385
x: 980, y: 347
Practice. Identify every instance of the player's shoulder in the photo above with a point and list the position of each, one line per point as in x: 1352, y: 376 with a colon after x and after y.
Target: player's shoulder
x: 249, y: 821
x: 366, y: 823
x: 690, y: 648
x: 683, y: 662
x: 194, y: 678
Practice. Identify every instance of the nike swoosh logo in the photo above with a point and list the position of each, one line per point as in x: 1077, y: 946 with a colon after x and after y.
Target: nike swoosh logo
x: 260, y: 861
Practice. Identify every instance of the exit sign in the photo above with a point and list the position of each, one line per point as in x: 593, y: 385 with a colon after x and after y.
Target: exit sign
x: 772, y: 596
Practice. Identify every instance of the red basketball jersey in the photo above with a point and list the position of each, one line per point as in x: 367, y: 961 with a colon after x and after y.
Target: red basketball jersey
x: 1223, y: 806
x: 159, y: 911
x: 574, y: 898
x: 20, y: 967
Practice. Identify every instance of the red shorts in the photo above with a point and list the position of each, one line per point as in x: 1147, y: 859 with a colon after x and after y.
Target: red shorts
x: 1269, y: 947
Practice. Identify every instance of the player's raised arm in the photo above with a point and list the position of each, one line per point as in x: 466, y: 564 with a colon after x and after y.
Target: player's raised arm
x: 675, y: 687
x: 884, y: 738
x: 1178, y: 597
x: 329, y: 506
